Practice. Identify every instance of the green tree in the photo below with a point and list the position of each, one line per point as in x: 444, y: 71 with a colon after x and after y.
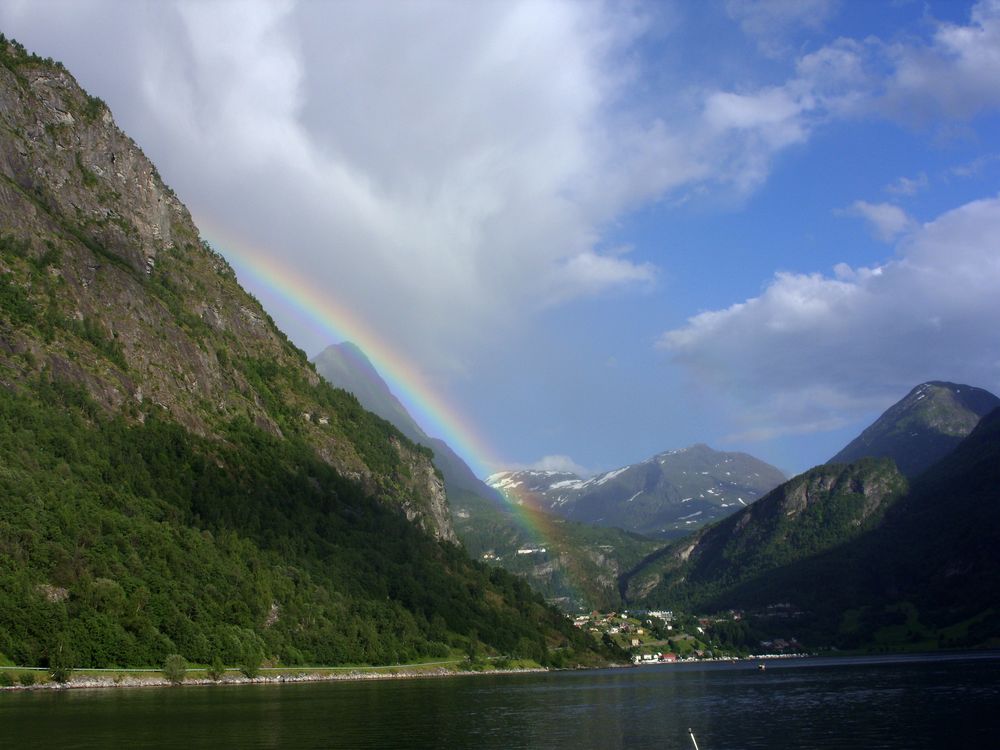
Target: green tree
x: 175, y: 668
x: 61, y: 661
x: 252, y: 659
x: 216, y: 669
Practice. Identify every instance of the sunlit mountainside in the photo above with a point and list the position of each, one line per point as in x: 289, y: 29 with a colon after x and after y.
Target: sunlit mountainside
x: 568, y: 235
x: 177, y: 478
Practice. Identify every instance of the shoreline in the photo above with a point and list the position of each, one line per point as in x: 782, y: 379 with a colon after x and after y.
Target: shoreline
x: 156, y: 679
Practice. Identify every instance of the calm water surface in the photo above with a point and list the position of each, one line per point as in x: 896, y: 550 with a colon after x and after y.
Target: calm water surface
x: 901, y: 702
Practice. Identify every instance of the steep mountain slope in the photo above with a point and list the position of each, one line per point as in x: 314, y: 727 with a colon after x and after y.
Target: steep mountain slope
x: 919, y: 571
x: 107, y: 284
x: 666, y: 496
x: 574, y: 565
x: 923, y: 427
x: 176, y: 477
x: 811, y: 513
x: 346, y: 366
x: 940, y: 547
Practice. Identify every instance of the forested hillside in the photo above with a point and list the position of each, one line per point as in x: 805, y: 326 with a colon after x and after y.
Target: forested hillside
x: 853, y: 556
x: 175, y: 476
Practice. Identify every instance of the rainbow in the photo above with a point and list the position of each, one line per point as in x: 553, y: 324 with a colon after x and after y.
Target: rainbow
x: 258, y: 270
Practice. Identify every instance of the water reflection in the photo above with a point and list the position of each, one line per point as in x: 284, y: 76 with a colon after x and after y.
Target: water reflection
x: 814, y: 704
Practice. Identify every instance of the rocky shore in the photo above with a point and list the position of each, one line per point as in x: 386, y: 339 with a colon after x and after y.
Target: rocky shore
x: 156, y: 679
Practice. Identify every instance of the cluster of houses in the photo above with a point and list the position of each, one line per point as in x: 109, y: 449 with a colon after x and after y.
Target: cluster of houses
x: 660, y: 636
x: 614, y: 623
x: 657, y: 658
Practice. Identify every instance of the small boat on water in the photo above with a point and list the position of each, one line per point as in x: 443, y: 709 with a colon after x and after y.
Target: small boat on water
x: 761, y: 667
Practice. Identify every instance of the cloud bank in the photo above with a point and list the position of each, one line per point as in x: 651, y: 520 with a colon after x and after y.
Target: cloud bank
x: 814, y: 350
x: 445, y: 172
x: 448, y: 170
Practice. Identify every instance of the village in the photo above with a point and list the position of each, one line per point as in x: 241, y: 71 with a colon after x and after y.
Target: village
x: 665, y: 637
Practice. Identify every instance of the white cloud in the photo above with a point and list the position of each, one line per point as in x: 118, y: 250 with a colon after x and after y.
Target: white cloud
x: 952, y: 73
x: 559, y: 463
x: 813, y: 348
x: 766, y: 434
x: 955, y: 74
x: 436, y: 168
x: 770, y: 22
x: 593, y: 273
x: 887, y: 221
x: 908, y: 185
x: 976, y: 166
x: 443, y: 169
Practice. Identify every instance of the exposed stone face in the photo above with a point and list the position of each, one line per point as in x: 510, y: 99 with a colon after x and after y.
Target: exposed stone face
x: 136, y: 309
x: 430, y: 506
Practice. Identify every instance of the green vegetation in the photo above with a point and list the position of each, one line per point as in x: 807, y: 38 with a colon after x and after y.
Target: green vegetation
x: 923, y: 427
x: 121, y: 544
x: 176, y: 480
x: 251, y: 663
x: 89, y: 178
x: 216, y: 670
x: 175, y: 669
x: 60, y: 659
x: 580, y: 565
x: 873, y: 566
x: 733, y: 562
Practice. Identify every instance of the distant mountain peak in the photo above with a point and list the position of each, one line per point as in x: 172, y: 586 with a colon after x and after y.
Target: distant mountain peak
x: 667, y: 494
x: 923, y: 426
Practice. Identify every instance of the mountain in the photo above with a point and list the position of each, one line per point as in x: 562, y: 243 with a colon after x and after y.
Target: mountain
x: 665, y: 496
x: 923, y: 427
x: 573, y: 565
x: 346, y: 366
x: 938, y: 551
x: 874, y: 564
x: 809, y: 514
x: 176, y: 476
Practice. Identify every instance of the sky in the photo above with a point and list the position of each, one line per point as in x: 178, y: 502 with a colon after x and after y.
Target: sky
x: 594, y: 231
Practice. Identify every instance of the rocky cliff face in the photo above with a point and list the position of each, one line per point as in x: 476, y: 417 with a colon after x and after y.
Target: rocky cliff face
x: 105, y: 283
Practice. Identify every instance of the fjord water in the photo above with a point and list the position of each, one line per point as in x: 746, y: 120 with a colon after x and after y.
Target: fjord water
x: 895, y: 702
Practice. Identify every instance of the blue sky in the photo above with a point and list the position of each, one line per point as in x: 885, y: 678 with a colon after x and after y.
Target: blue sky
x: 599, y: 230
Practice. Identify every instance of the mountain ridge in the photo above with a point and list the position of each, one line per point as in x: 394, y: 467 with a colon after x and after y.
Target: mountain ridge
x: 574, y: 566
x: 346, y: 366
x: 666, y: 495
x: 922, y: 427
x: 177, y: 477
x: 887, y: 563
